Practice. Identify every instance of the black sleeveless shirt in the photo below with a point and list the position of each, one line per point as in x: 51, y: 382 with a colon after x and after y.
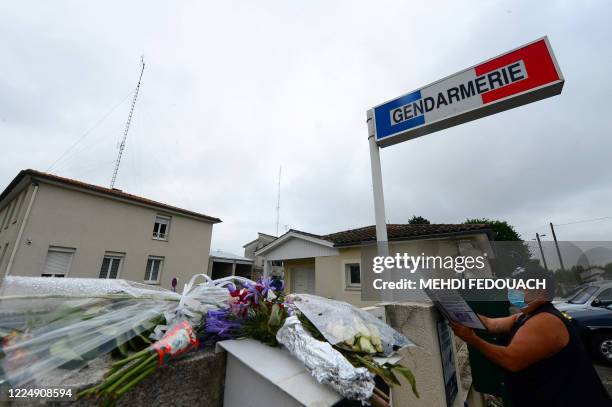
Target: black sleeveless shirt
x: 567, y: 378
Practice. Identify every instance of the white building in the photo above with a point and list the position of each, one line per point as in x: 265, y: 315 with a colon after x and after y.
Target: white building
x: 252, y: 247
x: 55, y: 226
x: 330, y: 265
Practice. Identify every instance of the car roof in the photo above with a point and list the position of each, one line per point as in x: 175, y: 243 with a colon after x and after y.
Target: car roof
x: 599, y: 285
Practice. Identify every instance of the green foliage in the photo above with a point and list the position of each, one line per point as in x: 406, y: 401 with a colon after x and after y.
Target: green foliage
x: 510, y: 250
x: 264, y: 321
x: 569, y: 277
x: 608, y: 271
x: 418, y: 220
x: 502, y: 231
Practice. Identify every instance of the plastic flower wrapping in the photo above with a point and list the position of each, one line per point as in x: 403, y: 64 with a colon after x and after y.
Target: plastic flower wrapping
x: 53, y: 327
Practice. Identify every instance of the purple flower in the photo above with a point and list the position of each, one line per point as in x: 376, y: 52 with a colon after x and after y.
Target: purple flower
x: 268, y: 284
x: 252, y: 293
x: 240, y: 308
x: 220, y: 322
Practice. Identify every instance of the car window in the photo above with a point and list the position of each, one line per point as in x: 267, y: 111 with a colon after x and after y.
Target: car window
x: 583, y: 295
x: 574, y: 291
x: 605, y: 297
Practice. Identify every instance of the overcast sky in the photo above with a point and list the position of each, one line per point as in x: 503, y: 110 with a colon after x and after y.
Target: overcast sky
x: 234, y: 89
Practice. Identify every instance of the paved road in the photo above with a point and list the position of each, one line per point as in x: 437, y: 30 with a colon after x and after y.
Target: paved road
x: 605, y: 373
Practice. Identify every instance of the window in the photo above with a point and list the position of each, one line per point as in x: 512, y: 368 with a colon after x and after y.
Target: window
x: 352, y: 275
x: 605, y: 297
x: 161, y: 227
x: 58, y: 262
x: 154, y: 269
x: 111, y: 265
x: 583, y: 295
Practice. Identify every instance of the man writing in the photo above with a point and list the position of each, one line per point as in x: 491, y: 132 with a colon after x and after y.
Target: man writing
x: 544, y: 359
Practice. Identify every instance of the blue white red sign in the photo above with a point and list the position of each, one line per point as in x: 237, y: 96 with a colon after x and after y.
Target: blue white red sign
x: 518, y: 77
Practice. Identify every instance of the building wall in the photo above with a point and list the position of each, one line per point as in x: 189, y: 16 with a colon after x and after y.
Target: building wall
x: 20, y: 197
x: 330, y: 270
x: 94, y: 224
x: 289, y: 265
x: 330, y: 277
x: 249, y: 250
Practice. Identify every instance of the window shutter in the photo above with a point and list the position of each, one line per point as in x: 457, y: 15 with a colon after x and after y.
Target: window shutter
x: 104, y: 269
x: 114, y: 267
x: 155, y: 271
x: 57, y: 262
x: 148, y: 270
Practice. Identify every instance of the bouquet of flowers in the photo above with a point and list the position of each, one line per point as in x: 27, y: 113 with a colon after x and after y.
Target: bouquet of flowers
x: 48, y: 325
x: 341, y: 334
x: 51, y: 327
x: 50, y: 332
x: 128, y: 372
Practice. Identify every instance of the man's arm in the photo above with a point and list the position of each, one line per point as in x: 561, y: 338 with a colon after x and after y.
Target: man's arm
x: 542, y: 336
x: 499, y: 325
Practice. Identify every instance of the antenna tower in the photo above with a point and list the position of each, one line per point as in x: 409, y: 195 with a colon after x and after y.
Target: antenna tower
x: 278, y: 199
x: 127, y: 125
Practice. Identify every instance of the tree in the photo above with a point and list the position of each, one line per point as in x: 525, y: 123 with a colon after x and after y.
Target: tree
x: 502, y: 231
x: 510, y: 250
x: 418, y: 220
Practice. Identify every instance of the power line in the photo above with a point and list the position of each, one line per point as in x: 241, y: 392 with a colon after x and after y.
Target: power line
x: 65, y: 153
x: 280, y: 169
x: 584, y: 221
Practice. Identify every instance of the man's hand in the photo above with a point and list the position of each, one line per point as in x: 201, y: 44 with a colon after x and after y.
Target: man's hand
x: 467, y: 334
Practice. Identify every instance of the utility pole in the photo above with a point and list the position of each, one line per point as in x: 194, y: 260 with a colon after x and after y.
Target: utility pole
x: 541, y: 251
x: 552, y: 229
x: 127, y: 125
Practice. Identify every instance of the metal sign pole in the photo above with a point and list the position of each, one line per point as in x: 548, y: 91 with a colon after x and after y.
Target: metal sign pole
x: 382, y: 243
x: 377, y: 188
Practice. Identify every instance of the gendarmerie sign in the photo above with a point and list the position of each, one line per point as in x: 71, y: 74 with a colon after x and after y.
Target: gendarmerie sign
x: 518, y: 77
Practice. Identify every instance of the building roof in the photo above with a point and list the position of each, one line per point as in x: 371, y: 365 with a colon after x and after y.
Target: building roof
x: 402, y: 232
x: 43, y: 176
x: 220, y: 254
x: 395, y: 232
x: 259, y: 236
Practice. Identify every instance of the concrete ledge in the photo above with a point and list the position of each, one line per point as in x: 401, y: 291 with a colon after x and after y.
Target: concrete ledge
x: 195, y: 380
x: 418, y: 321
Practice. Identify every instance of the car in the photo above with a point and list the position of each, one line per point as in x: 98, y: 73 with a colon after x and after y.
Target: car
x: 587, y: 296
x: 595, y: 327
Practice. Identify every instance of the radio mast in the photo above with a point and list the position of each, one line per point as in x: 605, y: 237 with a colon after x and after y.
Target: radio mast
x: 127, y: 125
x: 278, y: 199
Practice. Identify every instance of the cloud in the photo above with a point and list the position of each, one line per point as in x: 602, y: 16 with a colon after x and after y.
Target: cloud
x: 233, y: 90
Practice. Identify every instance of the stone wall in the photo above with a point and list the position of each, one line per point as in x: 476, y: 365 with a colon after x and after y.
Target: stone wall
x: 195, y: 380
